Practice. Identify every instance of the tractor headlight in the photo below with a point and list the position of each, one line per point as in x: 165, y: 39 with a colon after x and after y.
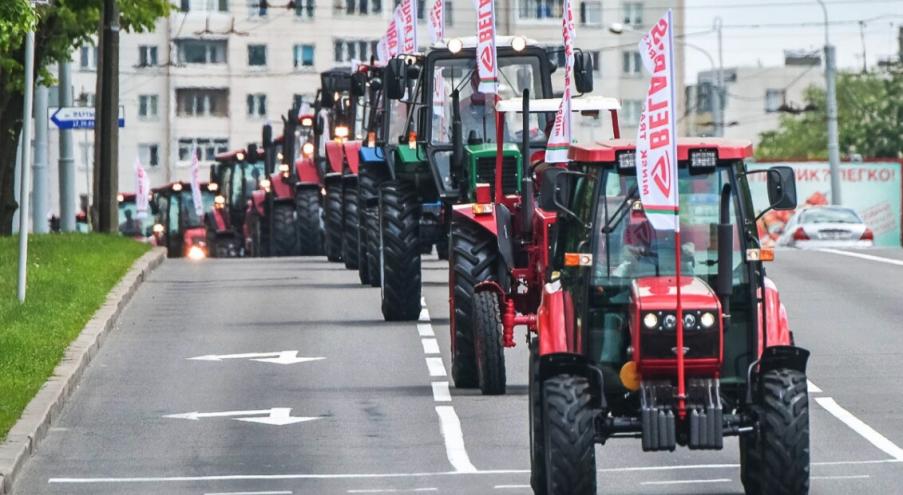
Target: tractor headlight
x: 455, y: 45
x: 707, y: 319
x: 307, y: 122
x: 265, y: 184
x: 689, y: 320
x: 650, y: 321
x: 284, y: 168
x: 219, y: 201
x: 196, y: 253
x: 279, y: 156
x: 240, y: 156
x: 213, y: 187
x: 703, y: 159
x: 341, y: 132
x: 120, y: 198
x: 308, y: 149
x: 177, y: 187
x: 158, y: 228
x: 669, y: 322
x: 519, y: 43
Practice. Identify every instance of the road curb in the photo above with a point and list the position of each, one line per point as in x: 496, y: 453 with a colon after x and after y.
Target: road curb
x: 29, y: 431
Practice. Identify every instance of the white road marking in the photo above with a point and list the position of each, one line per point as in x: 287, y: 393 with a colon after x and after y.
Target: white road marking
x: 514, y: 487
x: 424, y: 314
x: 358, y: 476
x: 251, y: 493
x: 281, y: 357
x: 866, y: 431
x: 441, y: 392
x: 879, y: 259
x: 279, y: 416
x: 850, y: 477
x: 430, y: 346
x: 454, y: 440
x: 435, y: 366
x: 425, y: 330
x: 812, y: 388
x: 685, y: 482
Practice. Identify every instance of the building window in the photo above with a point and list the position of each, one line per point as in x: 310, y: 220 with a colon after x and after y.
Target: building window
x: 632, y: 63
x: 147, y: 106
x: 631, y: 110
x: 87, y: 57
x: 348, y: 50
x: 204, y: 5
x: 774, y: 100
x: 303, y: 102
x: 540, y: 9
x: 257, y: 8
x: 304, y: 9
x: 304, y: 56
x: 633, y: 13
x: 257, y: 55
x: 197, y: 102
x: 149, y: 154
x: 360, y: 7
x: 207, y: 148
x: 591, y: 13
x: 147, y: 56
x: 257, y: 105
x: 202, y: 51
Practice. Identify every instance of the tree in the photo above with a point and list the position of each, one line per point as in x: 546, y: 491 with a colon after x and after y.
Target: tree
x: 870, y: 119
x: 59, y: 29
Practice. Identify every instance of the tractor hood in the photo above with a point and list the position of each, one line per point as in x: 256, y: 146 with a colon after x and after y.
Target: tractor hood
x: 485, y: 150
x: 660, y: 293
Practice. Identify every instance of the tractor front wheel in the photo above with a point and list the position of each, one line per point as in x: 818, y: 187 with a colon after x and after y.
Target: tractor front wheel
x: 775, y: 458
x: 333, y: 213
x: 307, y: 202
x: 350, y: 230
x: 286, y: 238
x: 569, y: 436
x: 226, y: 247
x: 490, y: 352
x: 537, y: 458
x: 400, y: 246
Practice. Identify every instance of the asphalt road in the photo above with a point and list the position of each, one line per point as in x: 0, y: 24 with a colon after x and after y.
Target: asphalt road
x: 374, y: 416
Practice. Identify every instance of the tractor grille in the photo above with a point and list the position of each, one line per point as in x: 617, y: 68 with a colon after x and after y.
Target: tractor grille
x: 486, y: 173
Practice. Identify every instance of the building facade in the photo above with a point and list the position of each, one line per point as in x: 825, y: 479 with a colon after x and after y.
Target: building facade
x: 213, y: 72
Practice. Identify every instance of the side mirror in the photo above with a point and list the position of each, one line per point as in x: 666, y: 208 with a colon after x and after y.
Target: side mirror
x: 253, y: 153
x: 782, y: 188
x: 548, y: 189
x: 359, y: 84
x: 326, y: 99
x: 154, y: 207
x: 394, y: 78
x: 583, y: 72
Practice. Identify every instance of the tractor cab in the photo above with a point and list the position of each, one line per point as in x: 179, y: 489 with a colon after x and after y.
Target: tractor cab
x: 129, y: 223
x: 670, y: 360
x: 238, y: 174
x: 338, y: 121
x: 178, y: 225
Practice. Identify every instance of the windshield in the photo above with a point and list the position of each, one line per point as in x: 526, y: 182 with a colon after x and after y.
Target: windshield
x: 631, y: 248
x: 187, y: 211
x: 477, y: 113
x: 245, y: 180
x: 129, y: 224
x: 830, y: 215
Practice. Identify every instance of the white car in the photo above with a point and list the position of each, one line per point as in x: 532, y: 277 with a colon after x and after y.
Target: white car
x: 826, y: 227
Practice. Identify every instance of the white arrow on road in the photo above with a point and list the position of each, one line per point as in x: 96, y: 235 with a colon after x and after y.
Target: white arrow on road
x: 283, y: 357
x: 278, y: 416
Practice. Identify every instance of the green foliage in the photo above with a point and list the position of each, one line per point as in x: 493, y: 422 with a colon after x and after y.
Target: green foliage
x: 69, y: 277
x: 870, y: 119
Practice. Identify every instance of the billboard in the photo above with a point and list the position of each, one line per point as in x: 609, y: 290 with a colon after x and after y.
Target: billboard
x: 873, y: 189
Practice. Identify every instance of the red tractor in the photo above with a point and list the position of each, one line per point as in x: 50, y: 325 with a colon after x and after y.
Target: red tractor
x: 307, y: 189
x: 610, y: 357
x: 237, y: 174
x: 179, y: 228
x: 129, y: 223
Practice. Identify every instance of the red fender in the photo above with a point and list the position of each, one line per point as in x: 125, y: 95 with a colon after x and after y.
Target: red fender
x: 777, y: 326
x: 196, y: 236
x: 555, y: 321
x: 257, y: 199
x: 306, y: 171
x: 487, y: 220
x: 220, y: 220
x: 353, y: 155
x: 282, y: 189
x: 334, y: 156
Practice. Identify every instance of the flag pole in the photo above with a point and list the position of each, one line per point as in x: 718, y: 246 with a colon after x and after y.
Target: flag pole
x: 681, y: 372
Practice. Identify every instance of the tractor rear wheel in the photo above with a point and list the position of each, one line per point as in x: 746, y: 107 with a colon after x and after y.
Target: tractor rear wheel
x: 537, y: 457
x: 400, y: 245
x: 371, y: 226
x: 472, y: 260
x: 286, y: 238
x: 226, y: 247
x: 333, y: 215
x: 775, y: 459
x: 369, y: 178
x: 350, y: 230
x: 307, y: 202
x: 569, y: 436
x: 490, y: 352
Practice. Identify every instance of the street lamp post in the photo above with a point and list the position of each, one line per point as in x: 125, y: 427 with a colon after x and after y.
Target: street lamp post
x: 831, y: 107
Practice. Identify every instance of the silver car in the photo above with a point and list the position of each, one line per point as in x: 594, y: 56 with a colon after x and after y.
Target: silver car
x: 826, y: 227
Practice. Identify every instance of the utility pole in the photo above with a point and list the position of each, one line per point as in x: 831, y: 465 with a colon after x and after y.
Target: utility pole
x: 39, y: 187
x: 831, y: 105
x: 67, y: 156
x: 269, y: 166
x: 25, y: 170
x: 720, y: 92
x: 106, y: 127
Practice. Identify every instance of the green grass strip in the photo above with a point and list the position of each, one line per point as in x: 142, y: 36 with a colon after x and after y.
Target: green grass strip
x: 69, y: 277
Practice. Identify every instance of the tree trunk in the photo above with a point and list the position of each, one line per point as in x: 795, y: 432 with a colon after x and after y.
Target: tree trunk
x: 10, y: 128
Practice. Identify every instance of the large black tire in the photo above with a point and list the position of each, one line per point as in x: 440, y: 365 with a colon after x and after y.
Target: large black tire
x: 472, y: 260
x: 399, y: 211
x: 490, y: 352
x: 369, y: 180
x: 537, y: 457
x: 350, y: 228
x: 307, y: 202
x: 371, y: 226
x: 775, y: 459
x: 286, y: 238
x: 333, y: 213
x: 226, y: 247
x: 569, y: 436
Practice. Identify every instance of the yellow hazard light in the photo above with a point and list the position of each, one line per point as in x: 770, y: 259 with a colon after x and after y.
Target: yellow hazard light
x: 482, y: 209
x: 630, y: 376
x: 578, y: 259
x: 764, y: 254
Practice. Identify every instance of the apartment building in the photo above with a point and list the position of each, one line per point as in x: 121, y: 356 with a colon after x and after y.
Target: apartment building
x: 212, y: 73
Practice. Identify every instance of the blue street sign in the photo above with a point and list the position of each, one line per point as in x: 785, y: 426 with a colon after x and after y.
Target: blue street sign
x: 78, y: 117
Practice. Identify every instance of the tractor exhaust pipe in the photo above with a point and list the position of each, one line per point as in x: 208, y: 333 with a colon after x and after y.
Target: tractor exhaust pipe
x: 457, y: 138
x: 724, y: 285
x: 526, y: 176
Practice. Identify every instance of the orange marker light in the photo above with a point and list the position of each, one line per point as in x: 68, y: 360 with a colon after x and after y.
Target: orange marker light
x: 578, y: 259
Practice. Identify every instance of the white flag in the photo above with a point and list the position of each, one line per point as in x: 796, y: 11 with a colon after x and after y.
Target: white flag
x: 142, y: 188
x: 196, y: 183
x: 656, y: 142
x: 407, y: 29
x: 486, y: 52
x: 437, y: 21
x: 437, y: 34
x: 560, y: 140
x: 388, y: 45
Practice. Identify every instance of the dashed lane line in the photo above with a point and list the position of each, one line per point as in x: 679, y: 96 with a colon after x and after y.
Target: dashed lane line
x: 847, y: 477
x: 395, y: 490
x: 512, y: 487
x: 283, y: 492
x: 425, y: 330
x: 812, y: 388
x: 454, y: 440
x: 434, y: 364
x: 869, y: 257
x: 864, y: 430
x: 430, y: 346
x: 441, y: 392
